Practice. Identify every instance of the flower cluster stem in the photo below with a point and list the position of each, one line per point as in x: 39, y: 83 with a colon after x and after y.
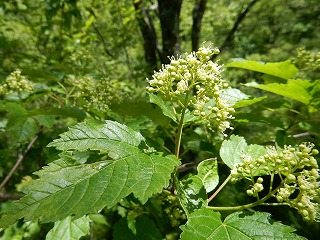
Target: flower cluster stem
x: 219, y: 189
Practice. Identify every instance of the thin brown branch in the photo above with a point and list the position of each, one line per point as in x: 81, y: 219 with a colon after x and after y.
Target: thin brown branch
x: 7, y: 196
x: 19, y: 161
x: 235, y: 27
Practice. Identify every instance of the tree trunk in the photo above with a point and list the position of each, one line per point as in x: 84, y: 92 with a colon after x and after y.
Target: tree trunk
x: 197, y: 15
x: 148, y: 33
x: 169, y: 13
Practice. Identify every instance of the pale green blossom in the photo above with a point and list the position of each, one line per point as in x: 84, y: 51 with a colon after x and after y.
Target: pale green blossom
x: 195, y: 78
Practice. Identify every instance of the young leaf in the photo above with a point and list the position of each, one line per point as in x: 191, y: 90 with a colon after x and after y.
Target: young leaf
x: 232, y: 151
x: 207, y: 225
x: 64, y: 189
x: 284, y: 70
x: 113, y: 137
x: 191, y: 192
x: 248, y: 102
x: 296, y: 89
x: 166, y: 108
x: 233, y: 95
x: 208, y: 173
x: 69, y: 229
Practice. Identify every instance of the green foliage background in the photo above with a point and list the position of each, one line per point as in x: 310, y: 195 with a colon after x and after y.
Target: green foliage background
x: 86, y: 60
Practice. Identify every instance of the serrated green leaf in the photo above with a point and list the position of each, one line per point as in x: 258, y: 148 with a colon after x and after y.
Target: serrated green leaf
x: 22, y: 129
x: 69, y: 229
x: 20, y: 126
x: 233, y: 150
x: 208, y: 173
x: 113, y: 137
x: 296, y: 89
x: 166, y: 108
x: 205, y: 224
x: 65, y: 189
x: 233, y: 95
x: 248, y: 102
x: 191, y: 192
x: 284, y: 70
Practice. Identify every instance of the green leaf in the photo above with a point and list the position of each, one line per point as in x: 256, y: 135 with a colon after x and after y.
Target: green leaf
x: 207, y: 225
x: 166, y: 108
x: 233, y: 150
x: 137, y: 109
x: 122, y: 231
x: 69, y: 229
x: 255, y: 117
x: 284, y: 70
x: 191, y: 193
x: 65, y: 189
x: 113, y: 137
x: 20, y: 126
x: 208, y: 173
x: 296, y: 89
x: 248, y: 102
x: 233, y: 95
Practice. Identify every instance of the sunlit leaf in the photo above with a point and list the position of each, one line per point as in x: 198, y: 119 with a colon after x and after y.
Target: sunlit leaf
x: 205, y: 224
x: 191, y: 192
x: 233, y: 150
x: 233, y: 95
x: 208, y: 173
x: 248, y: 102
x: 296, y: 89
x: 66, y: 188
x: 284, y: 70
x: 110, y: 136
x: 69, y: 229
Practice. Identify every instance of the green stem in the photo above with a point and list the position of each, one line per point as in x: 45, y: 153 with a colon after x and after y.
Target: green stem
x: 250, y: 205
x: 219, y: 189
x: 180, y: 128
x: 179, y: 135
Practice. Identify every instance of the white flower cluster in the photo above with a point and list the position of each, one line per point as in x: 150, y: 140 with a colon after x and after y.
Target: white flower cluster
x: 15, y: 82
x: 299, y: 174
x: 195, y: 78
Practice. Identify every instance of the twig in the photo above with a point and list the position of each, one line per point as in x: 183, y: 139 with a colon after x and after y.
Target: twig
x: 235, y: 28
x: 219, y: 189
x: 19, y: 161
x: 6, y: 196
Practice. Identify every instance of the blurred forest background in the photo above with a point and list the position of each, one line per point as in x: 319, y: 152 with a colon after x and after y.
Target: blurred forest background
x: 57, y: 44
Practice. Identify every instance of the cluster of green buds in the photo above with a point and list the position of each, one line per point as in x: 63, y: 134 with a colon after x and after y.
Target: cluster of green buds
x: 171, y: 206
x: 299, y: 174
x: 99, y: 94
x: 194, y: 82
x: 16, y: 83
